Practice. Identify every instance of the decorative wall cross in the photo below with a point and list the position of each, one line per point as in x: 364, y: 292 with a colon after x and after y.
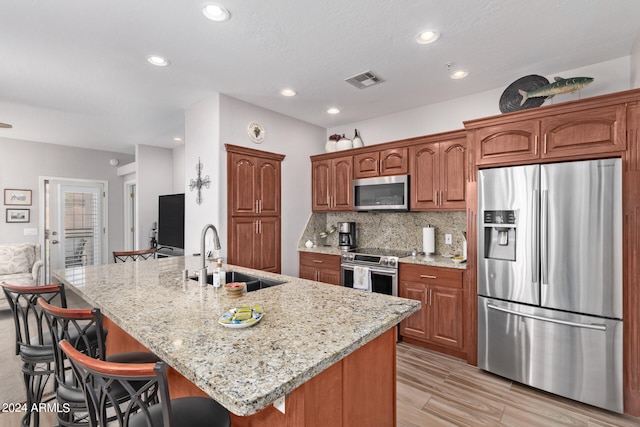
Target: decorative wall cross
x: 200, y: 182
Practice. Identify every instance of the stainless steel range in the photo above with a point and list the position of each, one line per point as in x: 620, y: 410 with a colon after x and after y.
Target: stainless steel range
x: 374, y: 270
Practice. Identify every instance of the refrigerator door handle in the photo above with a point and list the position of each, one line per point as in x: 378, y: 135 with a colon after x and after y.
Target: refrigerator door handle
x: 544, y: 238
x: 535, y: 259
x: 596, y: 326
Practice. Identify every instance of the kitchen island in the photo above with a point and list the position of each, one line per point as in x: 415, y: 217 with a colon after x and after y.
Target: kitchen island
x: 330, y: 350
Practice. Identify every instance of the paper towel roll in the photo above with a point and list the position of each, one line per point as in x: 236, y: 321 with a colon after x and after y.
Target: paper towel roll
x: 429, y: 240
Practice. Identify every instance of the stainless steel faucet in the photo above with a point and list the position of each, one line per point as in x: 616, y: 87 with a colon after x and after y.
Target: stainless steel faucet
x: 202, y: 279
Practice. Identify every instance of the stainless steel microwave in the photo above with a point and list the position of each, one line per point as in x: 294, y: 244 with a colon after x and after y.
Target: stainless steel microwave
x: 385, y: 193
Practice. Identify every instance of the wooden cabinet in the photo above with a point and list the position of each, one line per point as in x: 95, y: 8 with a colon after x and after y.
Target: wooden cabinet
x: 320, y: 267
x: 440, y: 324
x: 332, y: 184
x: 256, y: 243
x: 572, y: 134
x: 438, y: 174
x: 392, y: 161
x: 254, y: 207
x: 255, y: 189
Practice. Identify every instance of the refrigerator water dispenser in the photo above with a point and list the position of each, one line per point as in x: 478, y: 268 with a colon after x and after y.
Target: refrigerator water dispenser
x: 500, y: 235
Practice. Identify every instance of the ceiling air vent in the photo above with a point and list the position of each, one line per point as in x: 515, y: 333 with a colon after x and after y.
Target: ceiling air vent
x: 364, y: 80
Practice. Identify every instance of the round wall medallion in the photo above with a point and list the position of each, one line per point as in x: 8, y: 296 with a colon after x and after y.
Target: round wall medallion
x: 256, y: 132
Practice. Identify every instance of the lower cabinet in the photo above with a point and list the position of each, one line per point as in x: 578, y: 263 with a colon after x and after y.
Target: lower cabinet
x: 439, y: 325
x: 256, y: 243
x: 320, y: 267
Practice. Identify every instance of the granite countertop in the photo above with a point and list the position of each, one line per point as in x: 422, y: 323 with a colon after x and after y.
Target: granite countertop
x: 307, y: 327
x: 429, y: 260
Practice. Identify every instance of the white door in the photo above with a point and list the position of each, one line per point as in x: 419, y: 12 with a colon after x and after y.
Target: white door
x: 75, y: 233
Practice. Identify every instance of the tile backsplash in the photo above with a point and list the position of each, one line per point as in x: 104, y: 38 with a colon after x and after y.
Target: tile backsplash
x: 396, y: 230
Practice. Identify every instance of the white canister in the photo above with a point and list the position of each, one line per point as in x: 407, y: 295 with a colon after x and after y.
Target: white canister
x: 330, y: 146
x: 344, y: 144
x: 357, y: 141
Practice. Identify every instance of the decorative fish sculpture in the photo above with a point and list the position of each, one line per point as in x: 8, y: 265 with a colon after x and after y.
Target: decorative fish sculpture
x: 559, y: 86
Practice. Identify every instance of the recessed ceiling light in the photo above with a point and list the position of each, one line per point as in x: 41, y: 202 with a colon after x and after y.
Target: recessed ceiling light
x: 157, y: 60
x: 427, y: 37
x: 333, y: 110
x: 459, y: 74
x: 215, y: 12
x: 177, y: 139
x: 288, y: 92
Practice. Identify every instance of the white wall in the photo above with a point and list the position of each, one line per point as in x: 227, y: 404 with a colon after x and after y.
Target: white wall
x: 154, y: 177
x: 23, y: 162
x: 635, y: 63
x: 295, y: 139
x: 220, y: 120
x: 610, y: 76
x: 179, y: 184
x: 202, y: 140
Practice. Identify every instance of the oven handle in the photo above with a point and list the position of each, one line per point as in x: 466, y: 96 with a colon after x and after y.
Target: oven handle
x: 388, y: 272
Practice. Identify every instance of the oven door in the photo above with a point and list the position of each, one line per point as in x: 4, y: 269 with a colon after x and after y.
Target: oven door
x: 383, y: 280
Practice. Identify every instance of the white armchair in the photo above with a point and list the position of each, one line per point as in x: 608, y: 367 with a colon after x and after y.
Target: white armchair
x: 20, y: 264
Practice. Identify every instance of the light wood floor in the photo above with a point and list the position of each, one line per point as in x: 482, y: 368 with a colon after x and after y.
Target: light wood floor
x: 438, y: 390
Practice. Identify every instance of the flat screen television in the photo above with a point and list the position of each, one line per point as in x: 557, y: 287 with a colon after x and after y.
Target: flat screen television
x: 171, y: 220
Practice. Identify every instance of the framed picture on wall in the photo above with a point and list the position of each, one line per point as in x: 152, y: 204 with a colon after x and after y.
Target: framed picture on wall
x: 17, y: 197
x: 18, y: 215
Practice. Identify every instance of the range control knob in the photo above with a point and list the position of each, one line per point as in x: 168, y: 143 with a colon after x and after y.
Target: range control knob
x: 392, y: 262
x: 384, y: 261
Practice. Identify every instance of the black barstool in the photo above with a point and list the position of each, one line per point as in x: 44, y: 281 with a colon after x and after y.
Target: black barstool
x: 33, y: 340
x: 125, y: 256
x: 100, y: 377
x: 83, y: 329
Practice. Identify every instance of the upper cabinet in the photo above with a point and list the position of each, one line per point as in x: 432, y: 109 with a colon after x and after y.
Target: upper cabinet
x: 437, y: 166
x: 392, y: 161
x: 331, y: 183
x: 438, y: 173
x: 571, y: 134
x: 255, y: 184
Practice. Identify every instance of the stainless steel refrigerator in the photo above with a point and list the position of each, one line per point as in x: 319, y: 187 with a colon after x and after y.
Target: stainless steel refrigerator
x: 550, y: 278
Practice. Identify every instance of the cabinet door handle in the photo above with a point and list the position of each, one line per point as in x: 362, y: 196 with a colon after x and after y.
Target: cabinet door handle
x: 545, y: 144
x: 256, y: 206
x: 429, y: 297
x: 256, y: 226
x: 435, y: 197
x: 535, y: 145
x: 260, y: 222
x: 317, y: 261
x: 260, y: 206
x: 425, y: 276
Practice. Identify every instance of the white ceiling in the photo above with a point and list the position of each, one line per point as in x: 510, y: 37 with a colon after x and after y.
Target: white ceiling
x: 73, y: 72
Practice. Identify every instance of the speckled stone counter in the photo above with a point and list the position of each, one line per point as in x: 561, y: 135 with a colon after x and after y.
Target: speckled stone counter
x: 432, y: 260
x: 307, y: 326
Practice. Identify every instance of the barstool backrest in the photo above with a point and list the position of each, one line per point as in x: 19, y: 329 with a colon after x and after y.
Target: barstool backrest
x: 31, y: 328
x: 139, y: 380
x: 81, y: 327
x: 124, y: 256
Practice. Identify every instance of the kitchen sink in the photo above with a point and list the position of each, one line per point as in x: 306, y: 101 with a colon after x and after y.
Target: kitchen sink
x: 253, y: 283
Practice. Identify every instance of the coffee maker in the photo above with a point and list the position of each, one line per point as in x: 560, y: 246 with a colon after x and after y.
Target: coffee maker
x: 346, y: 235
